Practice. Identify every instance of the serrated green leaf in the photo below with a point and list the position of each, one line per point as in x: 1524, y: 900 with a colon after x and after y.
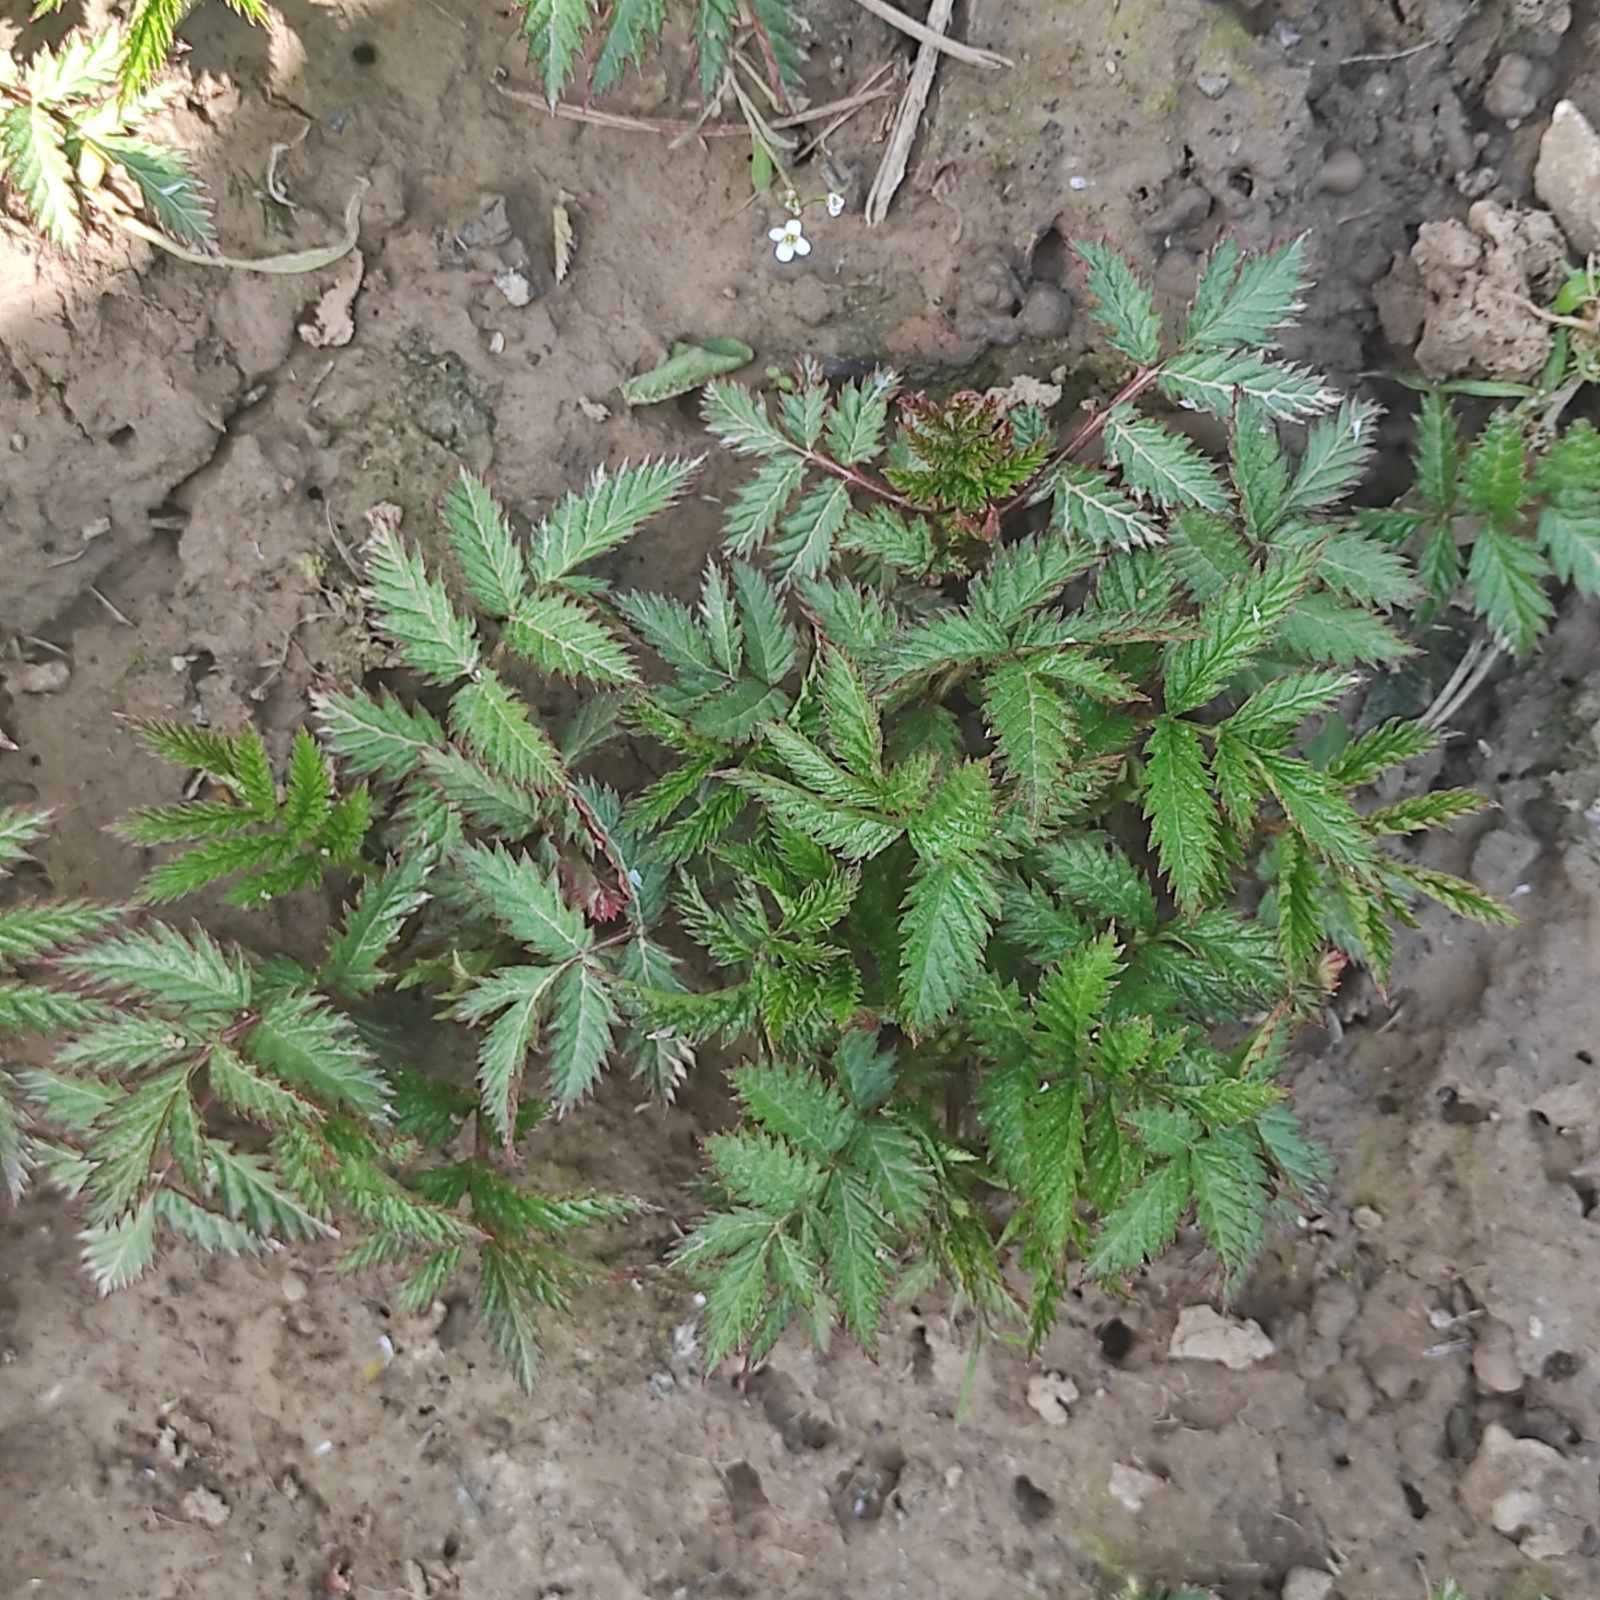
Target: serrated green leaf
x: 1213, y: 379
x: 253, y: 1093
x: 1247, y: 302
x: 1230, y: 1197
x: 1072, y: 997
x: 582, y: 1015
x: 855, y: 1239
x: 484, y: 799
x: 308, y: 790
x: 1182, y: 817
x: 1438, y: 454
x: 168, y: 187
x: 307, y: 1043
x: 1454, y: 894
x: 1125, y: 308
x: 1164, y: 467
x: 854, y: 430
x: 555, y: 31
x: 1379, y: 749
x: 118, y: 1253
x: 946, y: 639
x: 495, y: 724
x: 635, y: 25
x: 162, y: 963
x: 739, y: 418
x: 415, y: 611
x: 1089, y: 505
x: 1300, y: 932
x: 377, y: 738
x: 1569, y: 534
x: 1032, y: 726
x: 1322, y: 628
x: 608, y: 513
x: 720, y: 621
x: 1303, y: 1163
x: 1419, y: 811
x: 758, y: 505
x: 34, y: 160
x: 1439, y: 569
x: 852, y: 721
x: 526, y: 902
x: 1337, y: 453
x: 805, y: 545
x: 503, y: 1052
x: 771, y: 644
x: 1494, y: 479
x: 950, y: 908
x: 1366, y: 571
x: 372, y: 924
x: 1145, y: 1223
x: 1023, y: 576
x: 856, y: 833
x: 686, y: 366
x: 1505, y: 575
x: 1273, y: 712
x: 560, y: 636
x: 28, y: 931
x: 1235, y: 626
x: 1318, y: 810
x: 799, y: 1107
x: 1092, y: 873
x: 507, y: 1311
x: 482, y: 540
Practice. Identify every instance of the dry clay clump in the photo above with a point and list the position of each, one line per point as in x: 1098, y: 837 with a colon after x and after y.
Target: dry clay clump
x: 1469, y: 287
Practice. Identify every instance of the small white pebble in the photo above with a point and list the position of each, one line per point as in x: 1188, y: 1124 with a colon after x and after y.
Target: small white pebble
x: 324, y: 1448
x: 1077, y: 183
x: 699, y: 1299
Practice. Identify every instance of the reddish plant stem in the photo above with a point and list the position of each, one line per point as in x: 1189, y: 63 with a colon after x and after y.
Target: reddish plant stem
x: 859, y: 480
x: 1088, y: 431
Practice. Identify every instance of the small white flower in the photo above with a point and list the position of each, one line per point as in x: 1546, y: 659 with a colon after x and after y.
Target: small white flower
x: 791, y: 203
x: 835, y: 205
x: 790, y: 241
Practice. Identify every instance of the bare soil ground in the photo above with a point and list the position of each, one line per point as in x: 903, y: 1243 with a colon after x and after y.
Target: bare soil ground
x: 231, y: 1428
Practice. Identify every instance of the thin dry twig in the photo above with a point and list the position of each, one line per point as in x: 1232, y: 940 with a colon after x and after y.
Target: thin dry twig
x: 679, y: 128
x: 126, y: 621
x: 1463, y: 683
x: 892, y: 169
x: 932, y: 34
x: 853, y: 105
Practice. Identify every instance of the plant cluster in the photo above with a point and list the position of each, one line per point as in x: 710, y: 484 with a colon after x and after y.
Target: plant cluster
x: 969, y: 753
x: 73, y: 140
x: 560, y: 32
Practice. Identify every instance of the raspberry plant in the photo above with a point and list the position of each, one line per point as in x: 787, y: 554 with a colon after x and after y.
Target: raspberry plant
x: 969, y: 750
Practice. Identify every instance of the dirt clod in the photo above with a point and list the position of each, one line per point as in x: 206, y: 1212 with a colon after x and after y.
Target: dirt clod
x: 1204, y: 1334
x: 205, y: 1506
x: 1530, y: 1493
x: 39, y: 677
x: 1053, y: 1395
x: 1308, y: 1583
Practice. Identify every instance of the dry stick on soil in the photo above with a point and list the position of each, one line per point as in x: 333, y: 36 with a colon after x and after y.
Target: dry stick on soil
x: 892, y: 169
x: 932, y: 33
x: 1472, y: 669
x: 844, y: 116
x: 710, y: 130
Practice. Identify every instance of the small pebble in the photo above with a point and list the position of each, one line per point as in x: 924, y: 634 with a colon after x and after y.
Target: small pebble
x: 1307, y: 1583
x: 515, y: 287
x: 1213, y: 85
x: 97, y: 529
x: 19, y: 442
x: 293, y: 1288
x: 1366, y: 1219
x: 1342, y: 172
x: 497, y: 342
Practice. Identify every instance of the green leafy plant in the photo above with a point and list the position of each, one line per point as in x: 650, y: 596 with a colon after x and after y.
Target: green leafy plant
x: 1498, y: 520
x: 278, y: 843
x: 72, y: 142
x: 560, y: 32
x: 149, y: 34
x: 205, y: 1096
x: 969, y: 767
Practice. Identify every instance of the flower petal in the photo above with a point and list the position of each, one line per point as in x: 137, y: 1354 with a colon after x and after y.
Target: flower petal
x: 777, y: 235
x: 785, y: 251
x: 802, y: 246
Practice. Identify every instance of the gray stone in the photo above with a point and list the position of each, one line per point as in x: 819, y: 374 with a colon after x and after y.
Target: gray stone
x: 1567, y: 177
x: 515, y: 287
x: 1213, y: 85
x: 1307, y: 1583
